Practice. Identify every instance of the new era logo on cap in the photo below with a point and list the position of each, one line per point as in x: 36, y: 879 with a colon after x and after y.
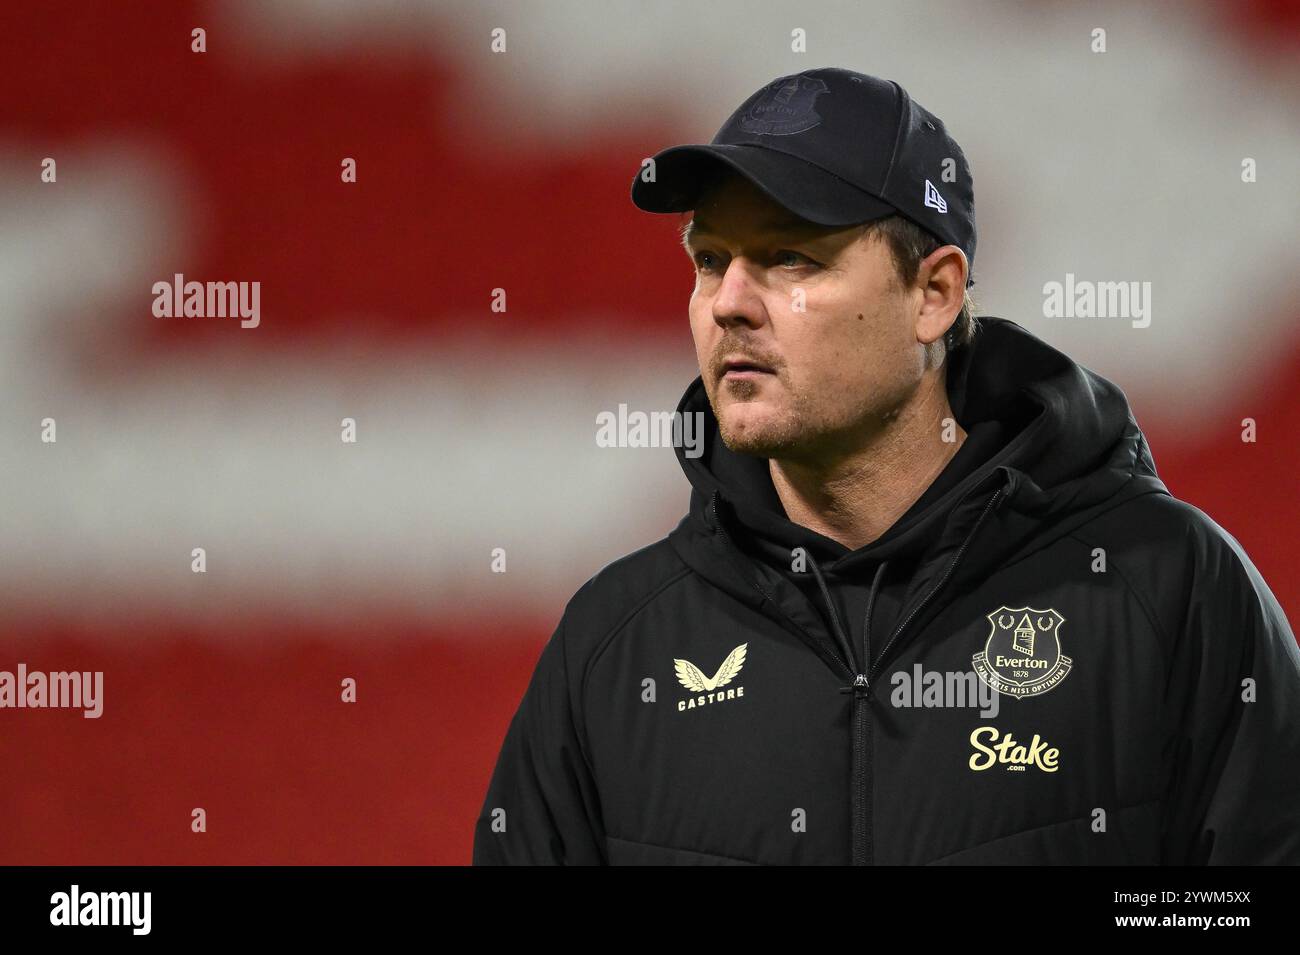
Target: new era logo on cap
x: 933, y: 199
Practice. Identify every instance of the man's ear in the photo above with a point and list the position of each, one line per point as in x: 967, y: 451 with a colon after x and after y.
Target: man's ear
x: 941, y: 279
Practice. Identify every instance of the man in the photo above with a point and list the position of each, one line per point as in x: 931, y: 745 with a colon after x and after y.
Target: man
x: 931, y: 603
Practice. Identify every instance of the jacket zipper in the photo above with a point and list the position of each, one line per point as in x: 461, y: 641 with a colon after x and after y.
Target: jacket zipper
x: 862, y: 849
x: 863, y: 792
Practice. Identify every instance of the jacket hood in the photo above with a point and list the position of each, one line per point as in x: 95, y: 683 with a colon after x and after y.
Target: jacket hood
x: 1070, y: 448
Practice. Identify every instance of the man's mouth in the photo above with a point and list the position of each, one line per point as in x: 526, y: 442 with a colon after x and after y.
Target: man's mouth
x: 741, y: 369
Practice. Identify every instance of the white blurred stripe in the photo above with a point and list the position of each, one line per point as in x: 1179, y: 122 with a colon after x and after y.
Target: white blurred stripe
x: 457, y: 453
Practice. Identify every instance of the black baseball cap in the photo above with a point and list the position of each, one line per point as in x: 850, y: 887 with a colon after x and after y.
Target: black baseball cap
x: 834, y: 147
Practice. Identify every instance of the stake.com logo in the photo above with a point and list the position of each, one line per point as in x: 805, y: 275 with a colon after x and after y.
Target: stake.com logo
x: 1016, y: 756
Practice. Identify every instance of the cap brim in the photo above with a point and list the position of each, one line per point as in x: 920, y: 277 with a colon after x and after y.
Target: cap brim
x: 807, y: 190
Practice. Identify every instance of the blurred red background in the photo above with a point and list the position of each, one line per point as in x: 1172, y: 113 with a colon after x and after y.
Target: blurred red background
x: 479, y: 171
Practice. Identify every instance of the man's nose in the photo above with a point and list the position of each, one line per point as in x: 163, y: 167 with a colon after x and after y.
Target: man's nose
x: 738, y: 300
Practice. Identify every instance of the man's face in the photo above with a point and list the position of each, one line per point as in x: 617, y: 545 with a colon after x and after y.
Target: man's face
x: 805, y: 339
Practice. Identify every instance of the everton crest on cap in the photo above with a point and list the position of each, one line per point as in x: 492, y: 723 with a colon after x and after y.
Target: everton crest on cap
x: 784, y: 107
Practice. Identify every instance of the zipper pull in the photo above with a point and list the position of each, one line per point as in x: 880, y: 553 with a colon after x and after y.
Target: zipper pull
x: 859, y: 685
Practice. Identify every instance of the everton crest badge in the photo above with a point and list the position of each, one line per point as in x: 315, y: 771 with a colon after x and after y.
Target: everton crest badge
x: 1022, y: 656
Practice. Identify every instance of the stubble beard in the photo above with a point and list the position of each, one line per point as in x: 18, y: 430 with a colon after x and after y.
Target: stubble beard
x: 777, y: 435
x: 804, y: 430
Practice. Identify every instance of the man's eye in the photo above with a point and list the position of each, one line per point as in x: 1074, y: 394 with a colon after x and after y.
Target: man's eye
x: 787, y: 257
x: 704, y: 261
